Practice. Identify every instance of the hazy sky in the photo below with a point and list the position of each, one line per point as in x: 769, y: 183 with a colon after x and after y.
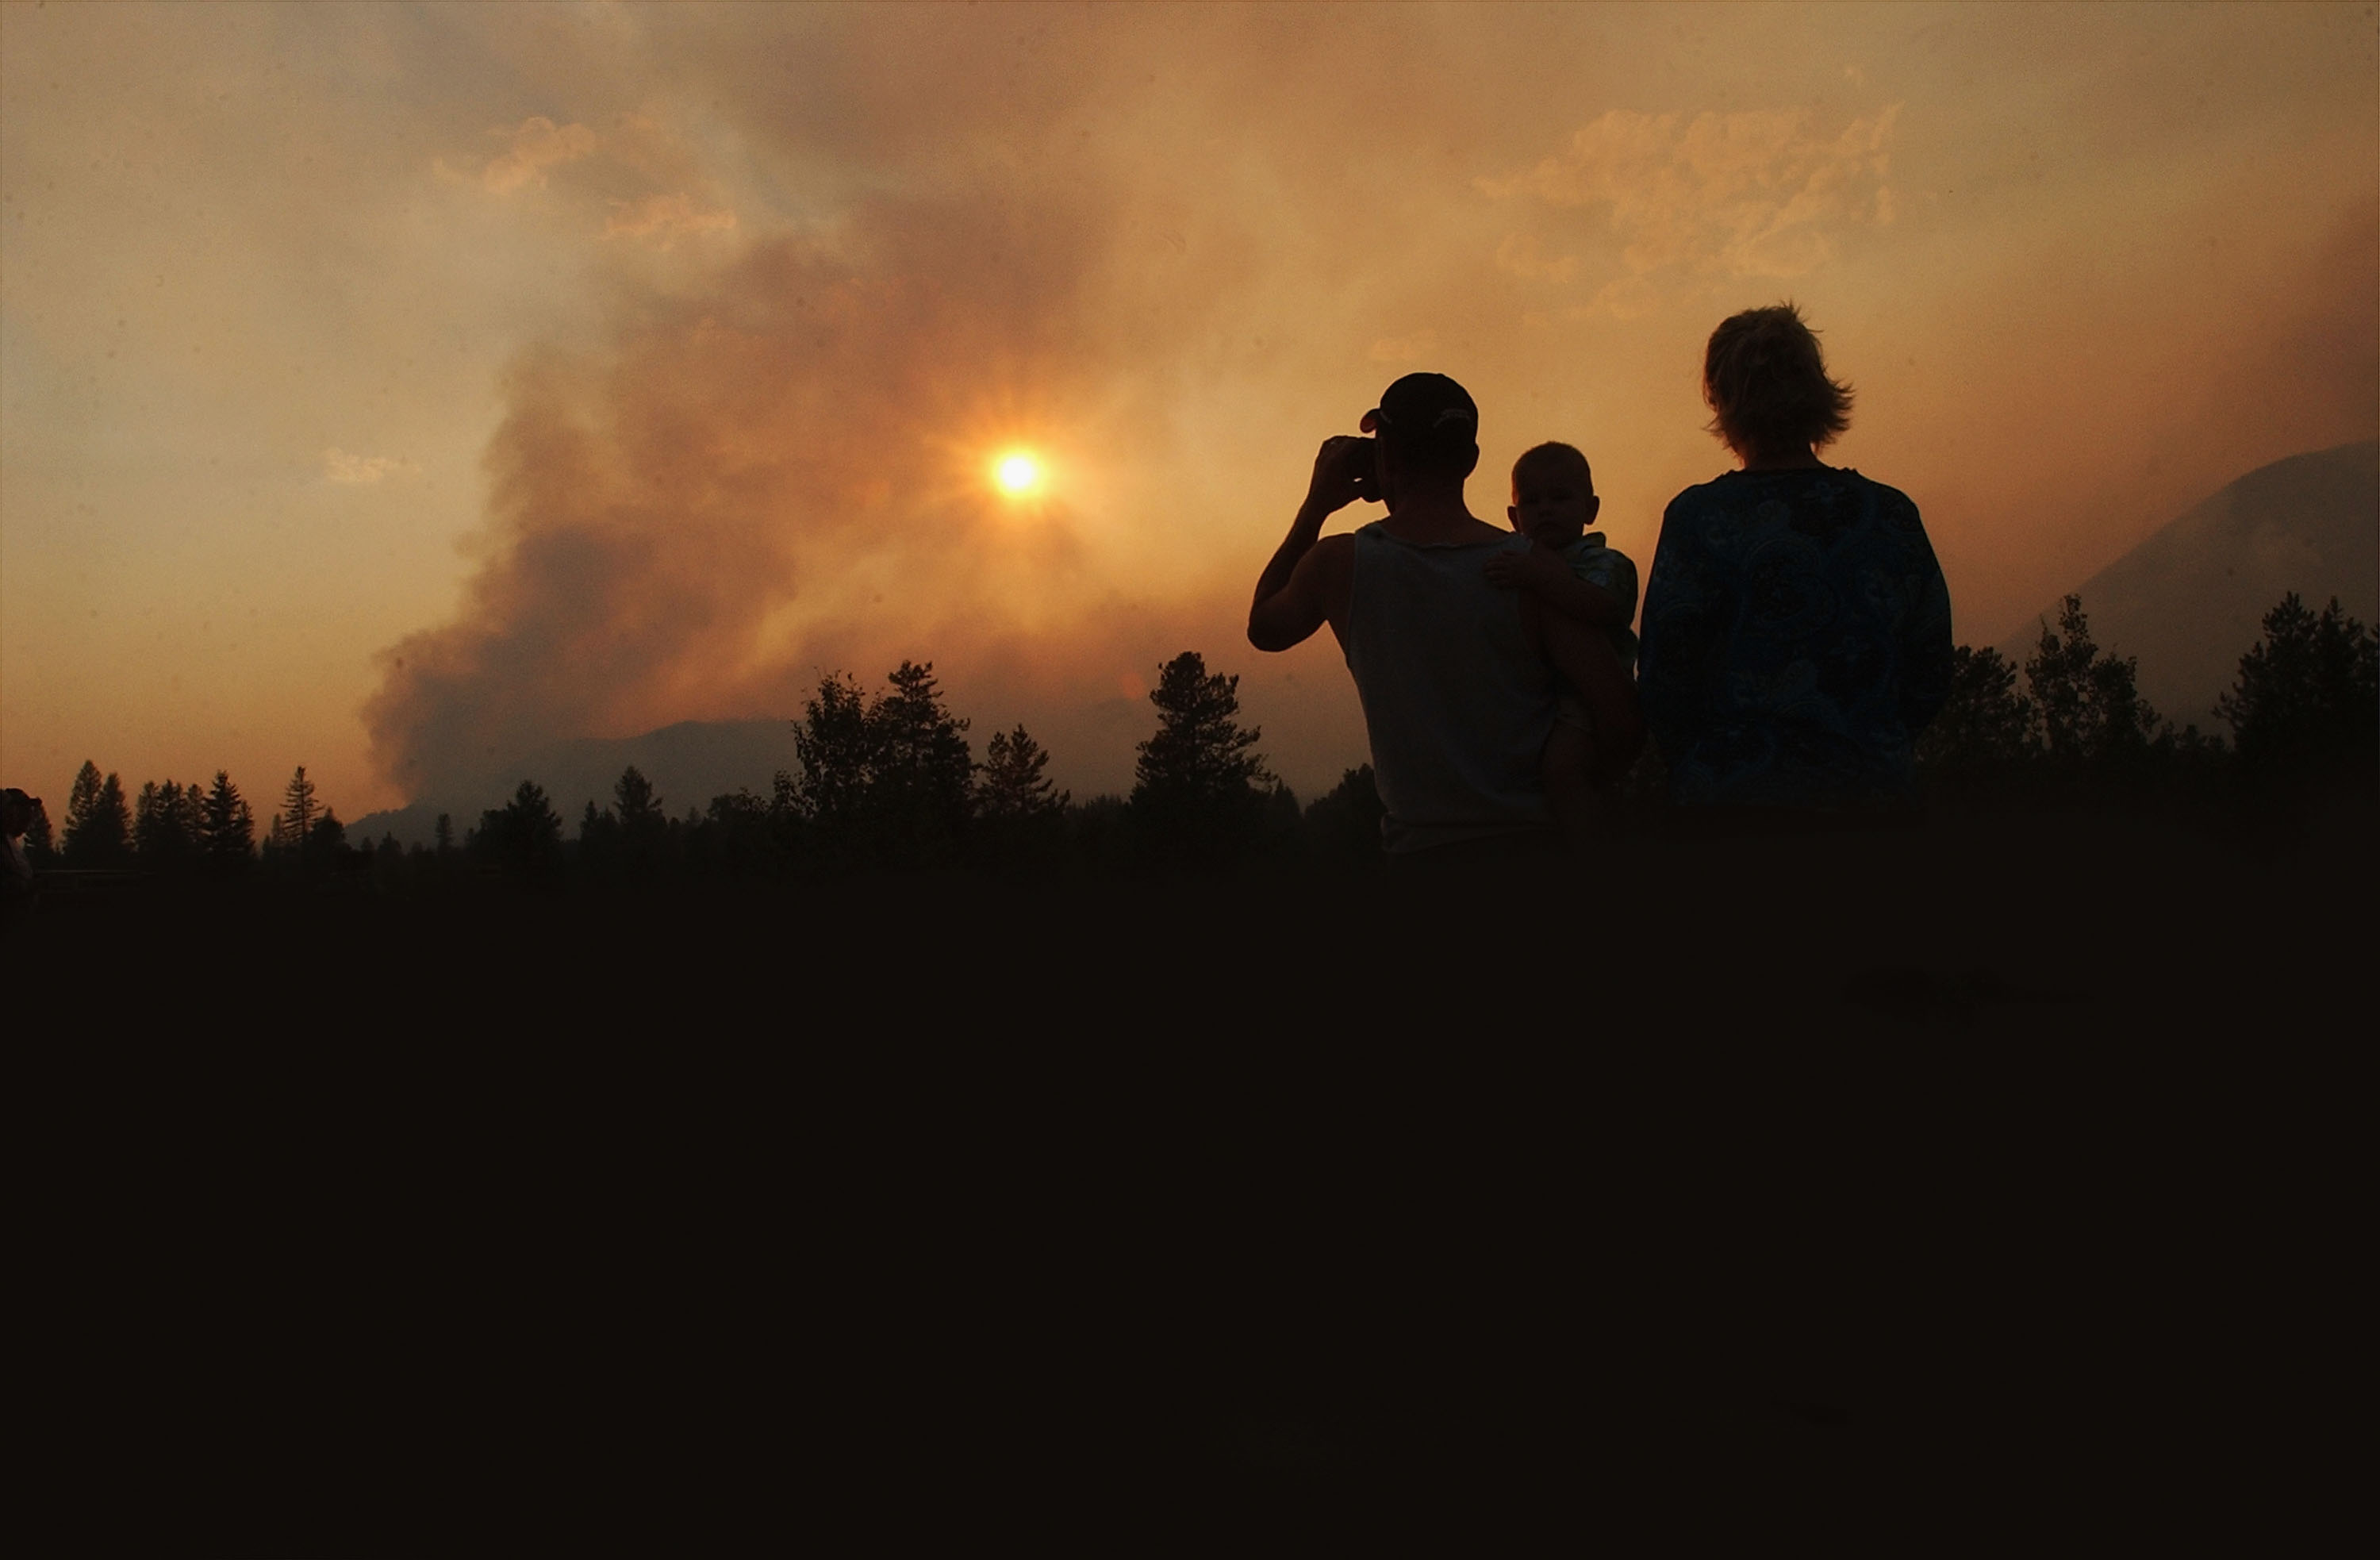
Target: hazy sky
x: 388, y: 388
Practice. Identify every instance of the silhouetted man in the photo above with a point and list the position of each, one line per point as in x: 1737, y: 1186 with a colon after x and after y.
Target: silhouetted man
x: 1457, y: 675
x: 18, y: 812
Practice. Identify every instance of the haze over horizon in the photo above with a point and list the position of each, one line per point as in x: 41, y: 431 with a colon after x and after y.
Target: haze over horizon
x: 387, y: 388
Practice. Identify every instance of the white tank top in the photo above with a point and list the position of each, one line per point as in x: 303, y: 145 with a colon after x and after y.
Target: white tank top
x: 1457, y: 703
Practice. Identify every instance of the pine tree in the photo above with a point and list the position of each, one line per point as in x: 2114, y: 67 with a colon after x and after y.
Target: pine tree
x: 1984, y: 731
x: 98, y: 821
x: 294, y: 822
x: 885, y: 780
x: 833, y: 741
x: 1020, y: 814
x: 166, y: 825
x: 524, y: 834
x: 149, y: 821
x: 2092, y: 718
x: 1199, y: 794
x: 229, y: 833
x: 82, y: 801
x: 638, y: 832
x: 1011, y: 784
x: 117, y: 809
x: 2307, y: 704
x: 639, y: 805
x: 194, y: 816
x: 326, y: 842
x: 920, y: 791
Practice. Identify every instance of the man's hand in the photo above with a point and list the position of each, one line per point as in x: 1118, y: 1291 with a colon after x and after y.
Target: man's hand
x: 1540, y: 569
x: 1343, y: 473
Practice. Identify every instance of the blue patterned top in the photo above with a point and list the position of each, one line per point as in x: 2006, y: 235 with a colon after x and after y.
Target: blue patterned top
x: 1796, y: 638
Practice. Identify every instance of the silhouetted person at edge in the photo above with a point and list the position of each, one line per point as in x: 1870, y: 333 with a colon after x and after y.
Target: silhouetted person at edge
x: 1458, y: 677
x: 1796, y: 627
x: 17, y: 813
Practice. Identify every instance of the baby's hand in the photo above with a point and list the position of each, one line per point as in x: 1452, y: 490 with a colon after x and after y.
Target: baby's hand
x: 1522, y: 570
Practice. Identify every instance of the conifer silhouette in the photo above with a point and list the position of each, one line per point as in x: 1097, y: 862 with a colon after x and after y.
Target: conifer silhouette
x: 1010, y: 783
x: 1199, y: 784
x: 230, y: 836
x: 2307, y: 703
x: 886, y: 780
x: 294, y: 822
x: 98, y: 821
x: 2088, y: 705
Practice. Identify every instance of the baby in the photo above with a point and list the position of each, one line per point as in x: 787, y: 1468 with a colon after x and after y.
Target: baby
x: 1573, y: 572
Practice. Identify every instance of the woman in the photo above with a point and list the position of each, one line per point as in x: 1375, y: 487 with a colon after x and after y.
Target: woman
x: 1796, y: 627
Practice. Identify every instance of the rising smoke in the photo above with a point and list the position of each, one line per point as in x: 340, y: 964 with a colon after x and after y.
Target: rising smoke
x: 775, y: 466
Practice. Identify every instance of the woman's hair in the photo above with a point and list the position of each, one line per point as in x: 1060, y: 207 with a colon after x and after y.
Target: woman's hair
x: 1766, y: 384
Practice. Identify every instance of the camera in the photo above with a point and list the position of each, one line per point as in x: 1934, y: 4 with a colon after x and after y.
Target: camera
x: 1364, y: 462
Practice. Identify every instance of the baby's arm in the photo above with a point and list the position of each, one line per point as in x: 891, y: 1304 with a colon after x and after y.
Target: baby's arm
x: 1542, y: 572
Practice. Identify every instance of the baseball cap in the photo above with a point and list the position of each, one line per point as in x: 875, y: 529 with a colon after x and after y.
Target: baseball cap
x: 1426, y: 408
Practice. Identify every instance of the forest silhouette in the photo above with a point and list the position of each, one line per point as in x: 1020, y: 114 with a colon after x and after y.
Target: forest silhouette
x: 889, y: 782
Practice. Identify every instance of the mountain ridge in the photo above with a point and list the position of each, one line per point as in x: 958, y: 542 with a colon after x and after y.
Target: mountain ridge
x: 688, y: 763
x: 2189, y: 600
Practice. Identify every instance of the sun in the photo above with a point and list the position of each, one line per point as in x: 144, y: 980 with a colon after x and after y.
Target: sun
x: 1016, y: 472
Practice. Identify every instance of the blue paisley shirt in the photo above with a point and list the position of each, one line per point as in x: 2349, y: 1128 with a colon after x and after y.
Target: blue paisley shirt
x: 1796, y: 638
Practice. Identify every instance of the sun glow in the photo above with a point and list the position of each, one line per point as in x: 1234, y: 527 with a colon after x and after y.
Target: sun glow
x: 1018, y: 473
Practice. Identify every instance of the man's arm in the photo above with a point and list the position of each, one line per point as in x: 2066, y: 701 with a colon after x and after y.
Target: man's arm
x: 1317, y: 593
x: 1543, y: 572
x: 1306, y: 584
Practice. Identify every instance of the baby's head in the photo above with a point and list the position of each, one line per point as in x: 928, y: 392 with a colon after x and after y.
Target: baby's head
x: 1553, y: 495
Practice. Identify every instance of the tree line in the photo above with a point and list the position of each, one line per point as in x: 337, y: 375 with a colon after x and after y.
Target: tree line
x: 173, y: 826
x: 888, y: 779
x: 2304, y: 715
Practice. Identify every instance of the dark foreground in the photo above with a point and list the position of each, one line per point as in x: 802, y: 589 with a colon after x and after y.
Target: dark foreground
x: 1886, y: 1192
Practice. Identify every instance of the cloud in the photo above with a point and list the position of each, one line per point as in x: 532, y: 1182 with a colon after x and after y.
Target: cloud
x: 1748, y: 194
x: 1520, y: 254
x: 362, y: 470
x: 666, y: 218
x: 646, y: 180
x: 538, y: 145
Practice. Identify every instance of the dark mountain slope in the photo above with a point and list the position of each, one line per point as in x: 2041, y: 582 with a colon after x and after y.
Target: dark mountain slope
x: 2189, y: 600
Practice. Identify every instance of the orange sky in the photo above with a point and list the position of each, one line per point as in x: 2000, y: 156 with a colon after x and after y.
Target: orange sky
x: 385, y: 388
